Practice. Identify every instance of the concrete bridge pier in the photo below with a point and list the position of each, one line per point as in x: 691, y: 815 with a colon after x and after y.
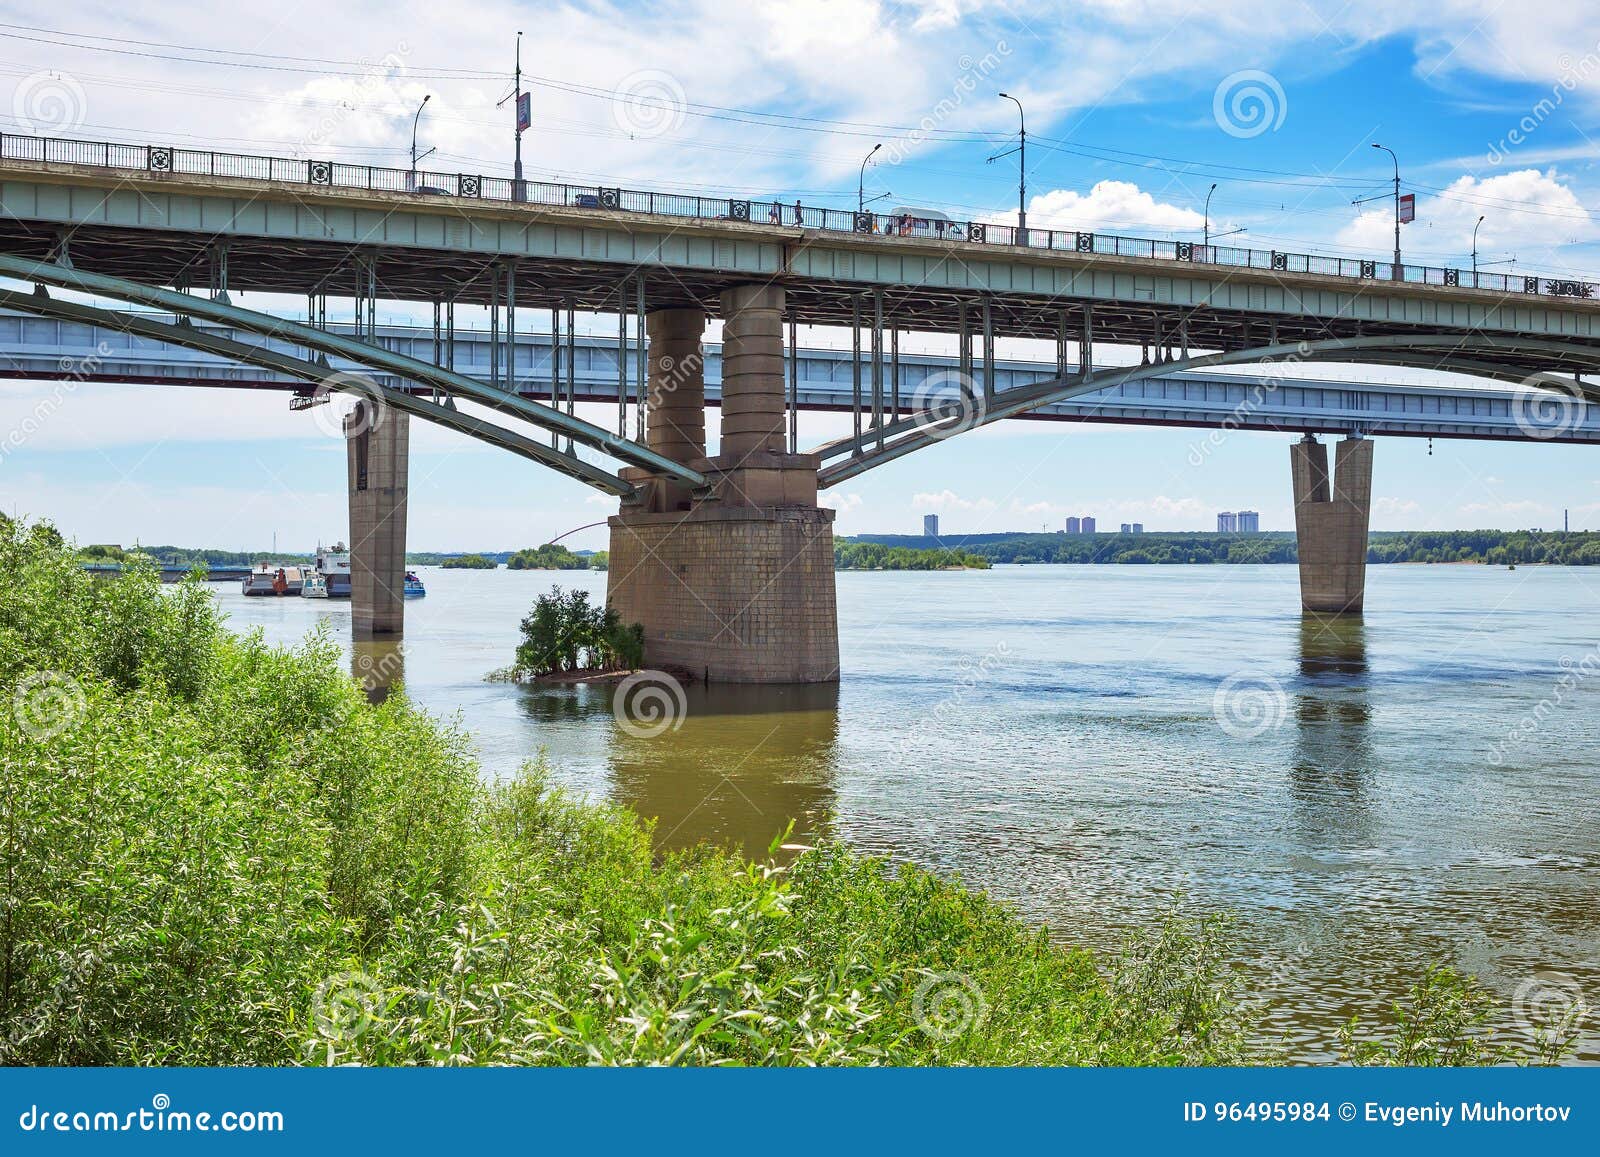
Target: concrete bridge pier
x: 1331, y: 516
x: 733, y: 583
x: 378, y: 447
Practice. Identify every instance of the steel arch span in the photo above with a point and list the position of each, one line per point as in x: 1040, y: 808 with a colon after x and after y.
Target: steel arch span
x: 266, y: 325
x: 947, y: 416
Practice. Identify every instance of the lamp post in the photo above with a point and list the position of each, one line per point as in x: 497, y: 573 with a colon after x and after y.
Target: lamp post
x: 1475, y: 253
x: 414, y: 122
x: 1022, y: 169
x: 861, y: 186
x: 1398, y: 274
x: 1207, y: 241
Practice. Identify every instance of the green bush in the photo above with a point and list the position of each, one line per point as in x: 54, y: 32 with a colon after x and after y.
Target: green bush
x: 565, y: 632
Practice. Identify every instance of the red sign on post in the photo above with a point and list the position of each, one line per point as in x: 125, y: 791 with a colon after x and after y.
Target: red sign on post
x: 1408, y: 208
x: 524, y: 110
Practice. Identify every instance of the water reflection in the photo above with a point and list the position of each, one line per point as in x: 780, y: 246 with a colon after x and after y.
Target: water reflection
x: 743, y: 763
x: 1333, y: 753
x: 377, y: 664
x: 733, y: 767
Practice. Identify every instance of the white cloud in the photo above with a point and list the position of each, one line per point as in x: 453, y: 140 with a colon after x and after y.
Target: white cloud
x: 1108, y: 205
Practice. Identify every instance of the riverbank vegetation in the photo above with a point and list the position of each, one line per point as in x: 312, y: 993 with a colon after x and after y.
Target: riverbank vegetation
x: 216, y: 852
x: 872, y: 556
x: 1493, y: 547
x: 467, y: 562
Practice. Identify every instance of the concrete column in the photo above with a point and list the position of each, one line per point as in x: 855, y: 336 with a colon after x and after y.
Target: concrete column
x: 378, y: 446
x: 1331, y: 516
x: 752, y: 371
x: 676, y: 394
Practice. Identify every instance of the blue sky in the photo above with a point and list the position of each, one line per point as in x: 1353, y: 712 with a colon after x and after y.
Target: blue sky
x: 1131, y: 118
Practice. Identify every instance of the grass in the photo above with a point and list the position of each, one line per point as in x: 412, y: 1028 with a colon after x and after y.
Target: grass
x: 217, y: 852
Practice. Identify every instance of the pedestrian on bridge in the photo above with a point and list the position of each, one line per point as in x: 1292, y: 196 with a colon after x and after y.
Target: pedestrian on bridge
x: 775, y: 215
x: 799, y: 215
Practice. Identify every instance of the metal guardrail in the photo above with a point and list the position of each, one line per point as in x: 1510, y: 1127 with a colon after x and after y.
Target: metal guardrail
x: 475, y: 186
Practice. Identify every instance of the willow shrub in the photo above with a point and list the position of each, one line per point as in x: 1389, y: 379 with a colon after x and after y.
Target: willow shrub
x: 216, y: 852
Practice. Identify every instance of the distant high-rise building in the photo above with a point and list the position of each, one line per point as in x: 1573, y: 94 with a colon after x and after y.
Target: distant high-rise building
x: 1227, y: 522
x: 1127, y: 528
x: 1074, y: 525
x: 1138, y: 528
x: 1249, y: 522
x: 930, y: 526
x: 1088, y: 524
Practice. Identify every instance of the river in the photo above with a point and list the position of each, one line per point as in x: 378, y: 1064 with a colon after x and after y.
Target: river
x: 1092, y: 742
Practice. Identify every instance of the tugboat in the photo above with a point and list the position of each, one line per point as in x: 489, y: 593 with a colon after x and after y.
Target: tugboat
x: 414, y: 587
x: 314, y: 586
x: 333, y: 564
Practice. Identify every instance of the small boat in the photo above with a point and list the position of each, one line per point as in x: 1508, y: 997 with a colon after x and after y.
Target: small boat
x: 414, y: 587
x: 333, y: 564
x: 273, y: 581
x: 314, y: 586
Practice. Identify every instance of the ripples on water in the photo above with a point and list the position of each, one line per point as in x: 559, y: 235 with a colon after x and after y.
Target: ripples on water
x: 1052, y: 735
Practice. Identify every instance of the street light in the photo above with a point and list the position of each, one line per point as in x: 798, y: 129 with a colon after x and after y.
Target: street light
x: 1398, y: 275
x: 414, y: 120
x: 1022, y: 168
x: 1475, y: 253
x: 861, y: 186
x: 1207, y: 241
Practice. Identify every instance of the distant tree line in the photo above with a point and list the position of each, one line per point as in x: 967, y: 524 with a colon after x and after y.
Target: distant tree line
x: 467, y: 562
x: 1494, y: 547
x: 550, y: 556
x: 875, y: 556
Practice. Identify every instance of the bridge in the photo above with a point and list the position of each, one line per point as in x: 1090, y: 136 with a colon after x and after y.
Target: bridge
x: 727, y: 560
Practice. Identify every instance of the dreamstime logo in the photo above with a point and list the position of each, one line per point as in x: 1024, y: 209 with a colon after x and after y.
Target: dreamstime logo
x: 947, y: 403
x: 1573, y: 74
x: 972, y: 77
x: 1573, y: 672
x: 47, y: 703
x: 649, y: 703
x: 49, y: 102
x: 1549, y: 1000
x: 345, y: 1005
x: 1546, y: 406
x: 669, y: 373
x: 72, y: 370
x: 368, y: 412
x: 948, y: 1004
x: 1248, y: 705
x: 650, y: 103
x: 1248, y: 103
x: 1255, y: 398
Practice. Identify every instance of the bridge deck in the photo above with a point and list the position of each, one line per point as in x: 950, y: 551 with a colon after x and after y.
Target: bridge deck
x: 161, y: 217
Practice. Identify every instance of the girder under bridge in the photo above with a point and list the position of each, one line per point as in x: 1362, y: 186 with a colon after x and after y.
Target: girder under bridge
x: 603, y: 372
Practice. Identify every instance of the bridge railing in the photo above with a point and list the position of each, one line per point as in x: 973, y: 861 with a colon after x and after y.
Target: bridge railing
x: 476, y: 186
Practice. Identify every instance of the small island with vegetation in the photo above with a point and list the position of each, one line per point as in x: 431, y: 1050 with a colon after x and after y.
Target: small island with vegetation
x: 566, y: 637
x: 553, y: 557
x: 467, y: 562
x: 849, y: 555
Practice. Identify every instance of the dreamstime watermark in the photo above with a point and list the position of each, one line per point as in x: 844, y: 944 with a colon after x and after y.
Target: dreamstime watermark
x: 71, y: 371
x: 1572, y: 74
x: 1573, y: 672
x: 366, y: 414
x: 49, y: 102
x: 948, y: 1004
x: 159, y: 1117
x: 649, y: 703
x: 1248, y: 103
x: 374, y: 80
x: 1255, y: 398
x: 971, y: 78
x: 947, y: 403
x: 649, y: 103
x: 47, y: 704
x: 1549, y: 1001
x: 669, y: 374
x: 1547, y: 406
x: 345, y: 1005
x: 1247, y: 705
